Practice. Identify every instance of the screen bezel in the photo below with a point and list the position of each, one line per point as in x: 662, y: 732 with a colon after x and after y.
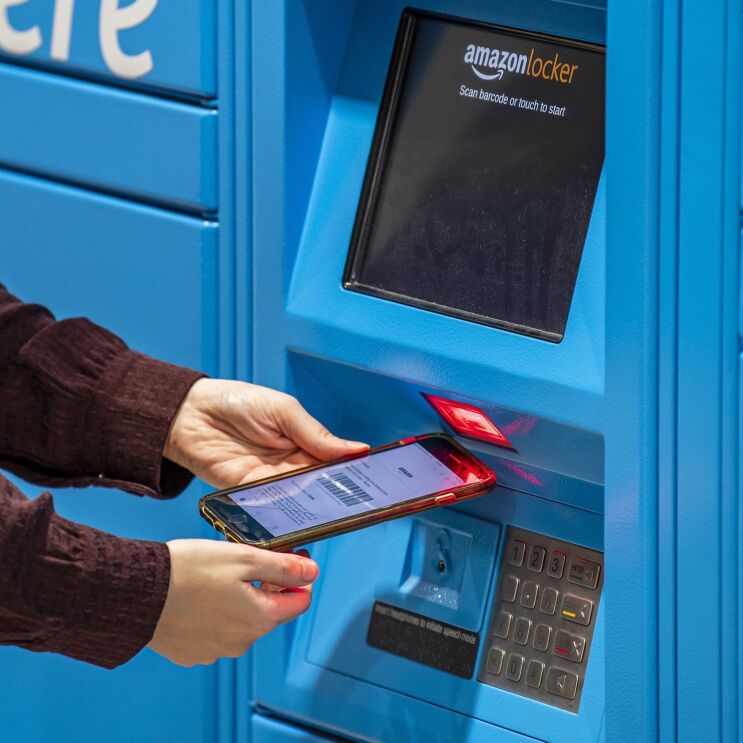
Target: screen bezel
x: 386, y: 121
x: 217, y: 508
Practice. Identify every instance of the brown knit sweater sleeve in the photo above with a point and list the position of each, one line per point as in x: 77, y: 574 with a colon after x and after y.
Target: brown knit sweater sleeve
x: 77, y: 407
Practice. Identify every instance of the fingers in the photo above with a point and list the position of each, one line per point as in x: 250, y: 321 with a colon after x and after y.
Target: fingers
x: 274, y: 588
x: 280, y: 569
x: 286, y: 605
x: 310, y: 435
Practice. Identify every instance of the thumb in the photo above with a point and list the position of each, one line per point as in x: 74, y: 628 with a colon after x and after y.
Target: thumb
x: 280, y: 568
x: 309, y: 434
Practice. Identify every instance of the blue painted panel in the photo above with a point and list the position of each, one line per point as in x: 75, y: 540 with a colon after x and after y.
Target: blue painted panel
x: 90, y: 248
x: 631, y: 423
x: 167, y: 45
x: 708, y: 346
x: 149, y: 276
x: 95, y: 135
x: 266, y: 730
x: 550, y: 460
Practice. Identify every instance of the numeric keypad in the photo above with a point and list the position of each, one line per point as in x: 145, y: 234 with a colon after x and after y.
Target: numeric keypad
x: 543, y: 619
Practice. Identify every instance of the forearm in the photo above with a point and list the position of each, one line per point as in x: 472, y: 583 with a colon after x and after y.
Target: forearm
x: 77, y: 407
x: 74, y: 590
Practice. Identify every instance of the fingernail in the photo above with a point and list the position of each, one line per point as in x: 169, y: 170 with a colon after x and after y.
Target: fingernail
x: 309, y: 570
x: 356, y: 445
x: 303, y: 553
x: 291, y: 589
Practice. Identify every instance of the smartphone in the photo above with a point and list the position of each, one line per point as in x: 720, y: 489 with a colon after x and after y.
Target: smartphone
x: 313, y: 503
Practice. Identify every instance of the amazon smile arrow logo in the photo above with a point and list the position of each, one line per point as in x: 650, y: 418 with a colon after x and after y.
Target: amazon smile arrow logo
x: 497, y: 75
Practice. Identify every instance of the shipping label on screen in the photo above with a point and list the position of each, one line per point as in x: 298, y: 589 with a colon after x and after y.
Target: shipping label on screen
x: 483, y: 174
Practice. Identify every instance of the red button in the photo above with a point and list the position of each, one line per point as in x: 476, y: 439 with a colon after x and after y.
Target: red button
x: 446, y: 498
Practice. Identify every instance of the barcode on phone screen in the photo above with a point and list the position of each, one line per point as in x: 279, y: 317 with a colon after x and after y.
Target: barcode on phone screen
x: 344, y: 489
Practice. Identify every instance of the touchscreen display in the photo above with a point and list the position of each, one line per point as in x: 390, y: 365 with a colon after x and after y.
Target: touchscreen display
x: 483, y: 173
x: 341, y: 490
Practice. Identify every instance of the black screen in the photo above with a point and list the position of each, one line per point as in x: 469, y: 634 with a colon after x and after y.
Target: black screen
x: 483, y: 173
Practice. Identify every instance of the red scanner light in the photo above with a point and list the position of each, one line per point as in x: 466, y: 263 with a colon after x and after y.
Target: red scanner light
x: 467, y: 420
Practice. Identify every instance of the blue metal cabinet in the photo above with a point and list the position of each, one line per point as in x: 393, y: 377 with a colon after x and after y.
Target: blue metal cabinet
x: 164, y: 46
x: 360, y: 363
x: 647, y: 371
x: 149, y: 276
x: 85, y: 253
x: 104, y: 138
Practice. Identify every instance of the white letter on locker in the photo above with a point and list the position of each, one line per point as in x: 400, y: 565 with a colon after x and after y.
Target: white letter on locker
x: 114, y: 19
x: 12, y: 40
x: 62, y: 29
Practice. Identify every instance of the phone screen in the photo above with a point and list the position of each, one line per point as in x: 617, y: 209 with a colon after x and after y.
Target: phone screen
x: 340, y: 490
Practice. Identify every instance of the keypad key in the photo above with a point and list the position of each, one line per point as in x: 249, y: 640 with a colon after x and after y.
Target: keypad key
x: 556, y: 564
x: 561, y: 683
x: 515, y: 667
x: 548, y: 605
x: 495, y: 660
x: 534, y: 672
x: 521, y: 630
x: 535, y: 563
x: 509, y: 588
x: 516, y: 551
x: 583, y: 572
x: 569, y: 646
x: 502, y: 625
x: 576, y: 609
x: 529, y: 594
x: 542, y: 634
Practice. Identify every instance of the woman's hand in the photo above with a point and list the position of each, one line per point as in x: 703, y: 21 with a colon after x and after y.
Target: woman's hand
x: 228, y: 433
x: 213, y: 610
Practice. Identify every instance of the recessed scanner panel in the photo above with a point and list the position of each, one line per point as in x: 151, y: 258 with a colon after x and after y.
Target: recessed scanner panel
x: 484, y: 168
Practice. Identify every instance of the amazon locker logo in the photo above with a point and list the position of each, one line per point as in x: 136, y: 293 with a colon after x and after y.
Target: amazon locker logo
x: 112, y: 20
x: 492, y: 64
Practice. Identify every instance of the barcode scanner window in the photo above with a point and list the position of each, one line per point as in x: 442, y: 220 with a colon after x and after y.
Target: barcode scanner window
x: 318, y: 497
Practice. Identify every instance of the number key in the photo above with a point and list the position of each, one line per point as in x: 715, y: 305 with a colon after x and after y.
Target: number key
x: 542, y: 635
x: 529, y: 594
x: 509, y: 588
x: 495, y: 661
x: 534, y: 673
x: 556, y: 564
x: 515, y: 667
x: 521, y: 631
x: 536, y: 559
x: 549, y: 601
x: 503, y: 625
x: 516, y: 552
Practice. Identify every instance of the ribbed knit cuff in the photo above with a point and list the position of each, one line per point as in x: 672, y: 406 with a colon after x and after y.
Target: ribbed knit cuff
x: 134, y: 405
x: 103, y: 594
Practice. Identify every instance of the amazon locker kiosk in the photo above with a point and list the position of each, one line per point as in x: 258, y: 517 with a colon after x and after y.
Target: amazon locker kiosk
x: 440, y: 243
x: 454, y: 237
